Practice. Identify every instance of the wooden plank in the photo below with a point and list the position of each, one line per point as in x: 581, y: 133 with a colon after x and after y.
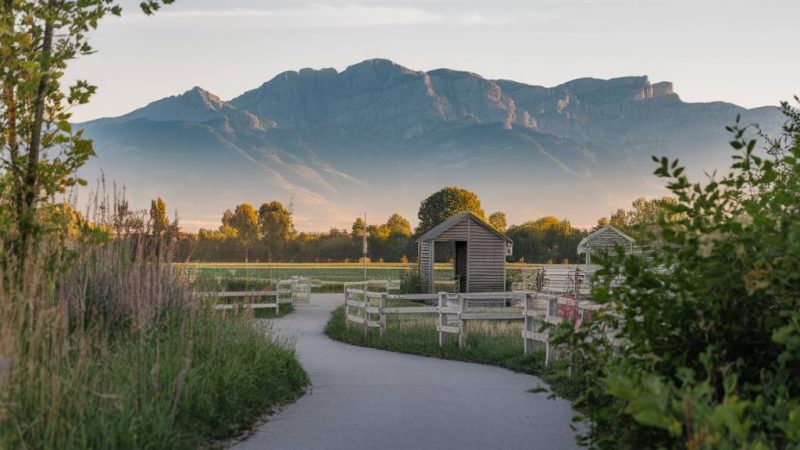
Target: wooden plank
x: 413, y: 296
x: 374, y: 324
x: 355, y: 304
x: 373, y: 309
x: 493, y: 295
x: 247, y: 306
x: 447, y: 329
x: 536, y: 336
x: 238, y: 294
x: 411, y: 310
x: 493, y: 316
x: 355, y: 319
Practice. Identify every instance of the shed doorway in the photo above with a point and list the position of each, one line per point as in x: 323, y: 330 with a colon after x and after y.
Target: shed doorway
x: 461, y: 265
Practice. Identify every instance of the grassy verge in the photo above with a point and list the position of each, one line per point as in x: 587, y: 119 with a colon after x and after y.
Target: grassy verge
x: 181, y: 384
x: 113, y: 350
x: 497, y: 343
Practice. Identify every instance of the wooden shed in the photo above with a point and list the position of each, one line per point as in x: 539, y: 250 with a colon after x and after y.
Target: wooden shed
x: 480, y: 254
x: 605, y: 240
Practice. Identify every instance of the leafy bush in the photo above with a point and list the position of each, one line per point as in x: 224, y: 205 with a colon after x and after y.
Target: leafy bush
x: 709, y: 325
x: 410, y: 282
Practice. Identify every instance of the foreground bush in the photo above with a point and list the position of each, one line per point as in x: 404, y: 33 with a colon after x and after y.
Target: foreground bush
x: 710, y: 326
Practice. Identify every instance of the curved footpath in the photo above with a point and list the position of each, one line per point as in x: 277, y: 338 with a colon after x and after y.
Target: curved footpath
x: 363, y: 398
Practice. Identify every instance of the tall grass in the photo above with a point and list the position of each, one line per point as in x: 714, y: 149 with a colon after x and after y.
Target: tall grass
x: 102, y: 345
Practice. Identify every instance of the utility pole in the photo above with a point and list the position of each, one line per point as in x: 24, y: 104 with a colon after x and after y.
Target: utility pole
x: 364, y: 247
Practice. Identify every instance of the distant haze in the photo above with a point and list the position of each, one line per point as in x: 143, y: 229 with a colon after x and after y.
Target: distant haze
x: 380, y: 137
x: 740, y: 51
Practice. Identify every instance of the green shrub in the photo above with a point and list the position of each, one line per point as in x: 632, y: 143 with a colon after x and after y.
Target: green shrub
x: 410, y: 282
x: 709, y: 325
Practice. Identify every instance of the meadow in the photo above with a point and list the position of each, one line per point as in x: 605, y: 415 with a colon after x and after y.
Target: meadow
x: 328, y: 277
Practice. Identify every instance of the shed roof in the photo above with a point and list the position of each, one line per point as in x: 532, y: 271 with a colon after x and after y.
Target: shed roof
x: 451, y: 221
x: 604, y: 235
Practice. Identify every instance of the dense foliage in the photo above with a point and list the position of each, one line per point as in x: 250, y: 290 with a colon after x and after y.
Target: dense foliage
x: 445, y: 203
x: 546, y: 240
x: 269, y: 235
x: 709, y: 326
x: 642, y: 221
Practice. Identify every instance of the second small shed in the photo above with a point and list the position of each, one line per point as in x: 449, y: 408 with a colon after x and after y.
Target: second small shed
x: 604, y: 240
x: 480, y: 254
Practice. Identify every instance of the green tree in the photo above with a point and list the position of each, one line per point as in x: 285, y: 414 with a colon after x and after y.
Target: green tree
x: 245, y: 221
x: 358, y: 228
x: 548, y: 239
x: 398, y: 225
x: 445, y: 203
x: 390, y: 241
x: 159, y: 222
x: 642, y: 221
x: 276, y: 226
x: 498, y: 220
x: 40, y: 150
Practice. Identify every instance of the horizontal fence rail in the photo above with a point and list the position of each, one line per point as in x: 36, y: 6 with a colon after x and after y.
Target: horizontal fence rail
x: 287, y: 292
x: 369, y: 309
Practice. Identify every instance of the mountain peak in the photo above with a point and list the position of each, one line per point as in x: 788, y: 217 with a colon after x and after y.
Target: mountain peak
x: 378, y: 63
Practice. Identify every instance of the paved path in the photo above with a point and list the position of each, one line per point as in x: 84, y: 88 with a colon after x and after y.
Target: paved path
x: 363, y: 398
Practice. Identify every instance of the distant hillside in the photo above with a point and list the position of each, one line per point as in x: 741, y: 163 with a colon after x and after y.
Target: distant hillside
x: 380, y: 137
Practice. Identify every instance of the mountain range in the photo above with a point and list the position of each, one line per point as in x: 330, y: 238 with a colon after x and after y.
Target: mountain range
x: 380, y: 137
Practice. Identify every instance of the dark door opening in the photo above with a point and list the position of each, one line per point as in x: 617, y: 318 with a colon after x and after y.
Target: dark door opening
x: 461, y: 266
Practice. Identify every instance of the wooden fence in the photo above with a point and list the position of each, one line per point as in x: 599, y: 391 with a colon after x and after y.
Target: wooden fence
x: 367, y: 309
x: 287, y: 292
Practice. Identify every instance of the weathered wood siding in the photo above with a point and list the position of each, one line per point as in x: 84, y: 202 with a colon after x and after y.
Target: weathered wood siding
x: 486, y: 260
x: 607, y: 242
x: 425, y: 259
x: 486, y: 253
x: 459, y: 232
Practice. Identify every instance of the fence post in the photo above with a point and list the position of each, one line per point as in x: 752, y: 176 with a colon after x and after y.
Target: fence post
x: 552, y: 313
x: 442, y: 298
x: 366, y: 315
x: 383, y: 314
x: 346, y: 308
x: 526, y: 344
x: 462, y: 324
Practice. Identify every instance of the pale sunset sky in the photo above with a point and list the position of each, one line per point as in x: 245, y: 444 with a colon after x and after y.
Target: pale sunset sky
x: 741, y: 51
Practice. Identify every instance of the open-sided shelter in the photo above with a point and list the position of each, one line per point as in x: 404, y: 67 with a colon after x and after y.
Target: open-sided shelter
x: 605, y: 240
x: 480, y: 253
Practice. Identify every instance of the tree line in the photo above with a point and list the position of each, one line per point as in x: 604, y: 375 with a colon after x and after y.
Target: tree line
x: 267, y: 233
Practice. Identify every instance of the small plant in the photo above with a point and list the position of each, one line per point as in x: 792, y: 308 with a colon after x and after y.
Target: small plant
x: 410, y: 282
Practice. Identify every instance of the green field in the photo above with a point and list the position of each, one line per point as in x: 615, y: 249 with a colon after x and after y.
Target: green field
x: 329, y: 276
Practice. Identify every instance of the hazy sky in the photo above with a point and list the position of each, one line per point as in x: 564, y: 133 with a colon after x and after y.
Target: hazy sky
x: 740, y: 51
